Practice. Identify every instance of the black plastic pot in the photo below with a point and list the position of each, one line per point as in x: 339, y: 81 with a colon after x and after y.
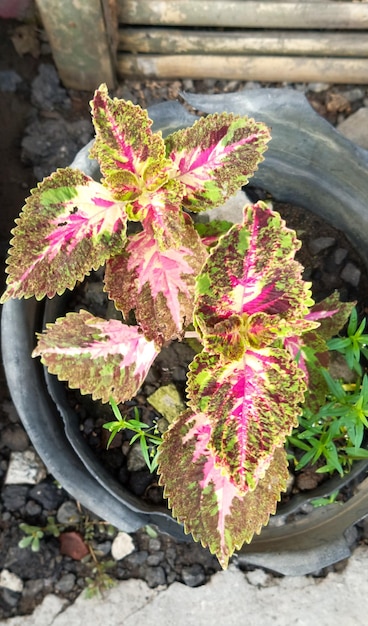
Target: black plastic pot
x: 308, y: 164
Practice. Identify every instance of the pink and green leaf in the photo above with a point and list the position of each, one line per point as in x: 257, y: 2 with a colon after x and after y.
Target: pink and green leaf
x: 232, y: 335
x: 332, y: 314
x: 69, y: 226
x: 202, y: 495
x: 158, y: 284
x: 105, y: 358
x: 215, y: 157
x: 252, y: 272
x: 160, y: 212
x: 210, y: 232
x: 311, y: 348
x: 132, y: 157
x: 252, y: 404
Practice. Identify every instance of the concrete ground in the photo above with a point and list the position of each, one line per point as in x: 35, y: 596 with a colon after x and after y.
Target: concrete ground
x: 230, y: 598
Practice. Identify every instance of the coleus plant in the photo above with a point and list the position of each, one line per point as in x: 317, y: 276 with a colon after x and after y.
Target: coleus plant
x: 222, y: 462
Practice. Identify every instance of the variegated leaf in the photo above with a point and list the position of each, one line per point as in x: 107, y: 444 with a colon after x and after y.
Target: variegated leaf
x: 252, y: 404
x: 69, y: 226
x: 252, y: 271
x: 161, y: 214
x: 202, y: 495
x: 215, y: 157
x: 132, y: 157
x: 210, y: 232
x: 311, y: 348
x: 231, y: 336
x: 105, y: 358
x: 158, y: 284
x: 332, y: 314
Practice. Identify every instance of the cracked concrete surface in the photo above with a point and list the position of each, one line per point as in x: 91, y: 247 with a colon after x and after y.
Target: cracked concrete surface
x: 230, y: 598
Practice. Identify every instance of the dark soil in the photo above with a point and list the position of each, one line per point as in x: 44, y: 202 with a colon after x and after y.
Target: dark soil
x: 43, y: 126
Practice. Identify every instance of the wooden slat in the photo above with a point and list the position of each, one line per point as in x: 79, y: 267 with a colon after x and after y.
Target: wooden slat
x: 245, y: 14
x: 80, y: 41
x: 261, y: 68
x: 165, y: 40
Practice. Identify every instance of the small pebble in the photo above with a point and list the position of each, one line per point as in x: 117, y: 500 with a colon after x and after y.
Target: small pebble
x: 103, y: 548
x: 155, y: 577
x: 9, y: 598
x: 351, y: 274
x: 25, y: 468
x: 47, y: 92
x: 301, y: 87
x: 72, y: 544
x: 48, y: 495
x: 340, y: 255
x: 171, y: 556
x: 33, y: 587
x: 33, y: 508
x: 170, y: 577
x: 68, y: 513
x: 188, y: 84
x: 155, y: 559
x: 231, y: 86
x: 135, y: 559
x: 321, y: 243
x: 318, y: 87
x: 135, y: 460
x: 354, y: 127
x: 194, y: 575
x: 66, y: 583
x: 210, y: 82
x: 307, y: 480
x: 252, y: 84
x: 167, y: 401
x: 122, y: 546
x: 162, y: 425
x: 10, y: 581
x: 353, y: 95
x: 307, y: 508
x: 154, y: 545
